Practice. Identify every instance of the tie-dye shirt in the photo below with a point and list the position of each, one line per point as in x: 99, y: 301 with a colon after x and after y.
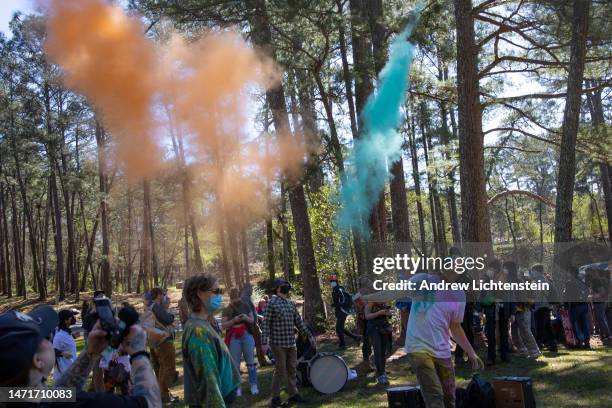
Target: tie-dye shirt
x: 210, y: 375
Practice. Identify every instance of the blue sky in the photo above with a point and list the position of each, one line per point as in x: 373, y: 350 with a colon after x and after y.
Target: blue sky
x: 8, y: 7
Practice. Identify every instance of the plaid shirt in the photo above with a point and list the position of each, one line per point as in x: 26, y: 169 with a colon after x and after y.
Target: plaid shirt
x: 280, y: 318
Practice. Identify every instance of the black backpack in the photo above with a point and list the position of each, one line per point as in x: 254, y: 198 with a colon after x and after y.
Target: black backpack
x: 346, y: 300
x: 480, y: 393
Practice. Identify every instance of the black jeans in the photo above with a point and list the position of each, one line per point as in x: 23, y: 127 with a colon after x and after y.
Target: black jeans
x: 490, y: 326
x: 382, y: 346
x: 468, y: 328
x: 366, y: 347
x: 340, y: 331
x: 544, y: 332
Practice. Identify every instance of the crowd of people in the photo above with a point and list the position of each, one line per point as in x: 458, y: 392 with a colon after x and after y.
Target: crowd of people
x: 212, y: 351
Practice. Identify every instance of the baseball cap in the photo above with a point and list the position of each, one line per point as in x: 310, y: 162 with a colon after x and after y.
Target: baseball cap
x: 280, y: 282
x: 66, y: 314
x: 98, y: 293
x: 20, y: 335
x: 333, y: 278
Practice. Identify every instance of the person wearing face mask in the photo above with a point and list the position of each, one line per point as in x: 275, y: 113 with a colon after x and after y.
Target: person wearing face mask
x: 28, y: 357
x: 63, y: 343
x: 342, y: 303
x: 210, y: 377
x: 280, y: 320
x: 238, y: 322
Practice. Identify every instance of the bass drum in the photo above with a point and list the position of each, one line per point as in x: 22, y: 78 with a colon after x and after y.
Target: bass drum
x: 327, y: 372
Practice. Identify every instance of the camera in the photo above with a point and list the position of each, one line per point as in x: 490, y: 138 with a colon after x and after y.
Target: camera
x: 116, y: 329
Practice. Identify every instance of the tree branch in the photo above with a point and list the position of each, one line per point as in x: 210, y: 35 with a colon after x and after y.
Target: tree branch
x: 522, y: 192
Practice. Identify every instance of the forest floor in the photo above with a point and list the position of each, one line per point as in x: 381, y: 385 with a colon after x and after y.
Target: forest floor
x: 568, y: 379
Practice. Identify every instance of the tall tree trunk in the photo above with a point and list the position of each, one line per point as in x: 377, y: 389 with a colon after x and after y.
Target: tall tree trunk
x: 397, y: 184
x: 416, y: 177
x: 68, y: 197
x: 146, y: 239
x: 129, y: 262
x: 148, y: 223
x: 569, y: 131
x: 27, y: 212
x: 7, y: 253
x: 232, y: 240
x: 450, y: 174
x: 179, y: 152
x: 476, y: 224
x: 363, y: 67
x: 59, y: 249
x: 598, y: 120
x: 346, y: 73
x: 105, y: 284
x: 227, y: 276
x: 288, y: 268
x: 4, y: 248
x: 424, y: 118
x: 314, y: 310
x: 270, y: 249
x: 245, y: 254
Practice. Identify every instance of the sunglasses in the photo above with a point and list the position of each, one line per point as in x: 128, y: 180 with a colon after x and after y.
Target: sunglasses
x: 217, y: 291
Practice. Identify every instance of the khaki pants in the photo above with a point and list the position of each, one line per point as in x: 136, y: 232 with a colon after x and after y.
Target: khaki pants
x: 285, y: 366
x: 164, y: 357
x: 436, y: 377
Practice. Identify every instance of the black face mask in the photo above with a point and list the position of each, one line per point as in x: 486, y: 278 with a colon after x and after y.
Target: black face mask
x: 285, y: 289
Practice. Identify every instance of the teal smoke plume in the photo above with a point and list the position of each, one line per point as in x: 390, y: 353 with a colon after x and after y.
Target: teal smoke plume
x: 380, y: 145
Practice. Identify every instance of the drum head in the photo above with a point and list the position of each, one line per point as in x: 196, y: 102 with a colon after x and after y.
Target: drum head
x: 328, y: 373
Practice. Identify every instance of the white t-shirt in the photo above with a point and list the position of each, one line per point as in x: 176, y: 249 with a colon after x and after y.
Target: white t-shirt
x: 63, y: 341
x: 430, y: 318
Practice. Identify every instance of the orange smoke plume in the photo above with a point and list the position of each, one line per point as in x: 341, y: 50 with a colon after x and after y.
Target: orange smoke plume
x: 106, y: 57
x: 206, y: 88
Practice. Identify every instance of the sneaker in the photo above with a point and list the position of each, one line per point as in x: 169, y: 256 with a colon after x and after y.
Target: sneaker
x: 383, y: 380
x: 239, y: 392
x: 254, y: 389
x: 534, y: 356
x: 296, y: 399
x: 277, y: 402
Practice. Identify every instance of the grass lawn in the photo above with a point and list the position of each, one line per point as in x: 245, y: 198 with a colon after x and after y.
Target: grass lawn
x: 570, y: 379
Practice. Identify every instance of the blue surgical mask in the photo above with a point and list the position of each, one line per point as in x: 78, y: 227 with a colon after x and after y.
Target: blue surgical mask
x: 215, y: 302
x: 333, y: 284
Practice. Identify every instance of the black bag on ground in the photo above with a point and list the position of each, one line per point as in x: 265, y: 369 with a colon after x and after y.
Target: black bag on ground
x: 480, y: 393
x: 461, y: 398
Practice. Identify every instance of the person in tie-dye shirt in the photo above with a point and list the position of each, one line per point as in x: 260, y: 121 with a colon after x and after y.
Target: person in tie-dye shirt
x: 211, y: 379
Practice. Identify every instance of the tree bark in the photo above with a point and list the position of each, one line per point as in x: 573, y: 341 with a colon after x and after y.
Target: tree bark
x: 314, y: 310
x: 363, y: 67
x: 148, y: 223
x: 288, y: 269
x: 416, y: 177
x: 475, y: 219
x: 567, y: 159
x: 598, y: 120
x: 105, y: 284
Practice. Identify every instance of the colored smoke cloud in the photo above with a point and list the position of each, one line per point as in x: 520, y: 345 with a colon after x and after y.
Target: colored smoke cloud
x: 380, y: 145
x: 200, y: 90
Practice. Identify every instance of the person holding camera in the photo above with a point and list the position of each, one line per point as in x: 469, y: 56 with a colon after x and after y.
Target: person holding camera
x: 28, y: 358
x: 237, y: 320
x: 280, y: 320
x: 379, y: 331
